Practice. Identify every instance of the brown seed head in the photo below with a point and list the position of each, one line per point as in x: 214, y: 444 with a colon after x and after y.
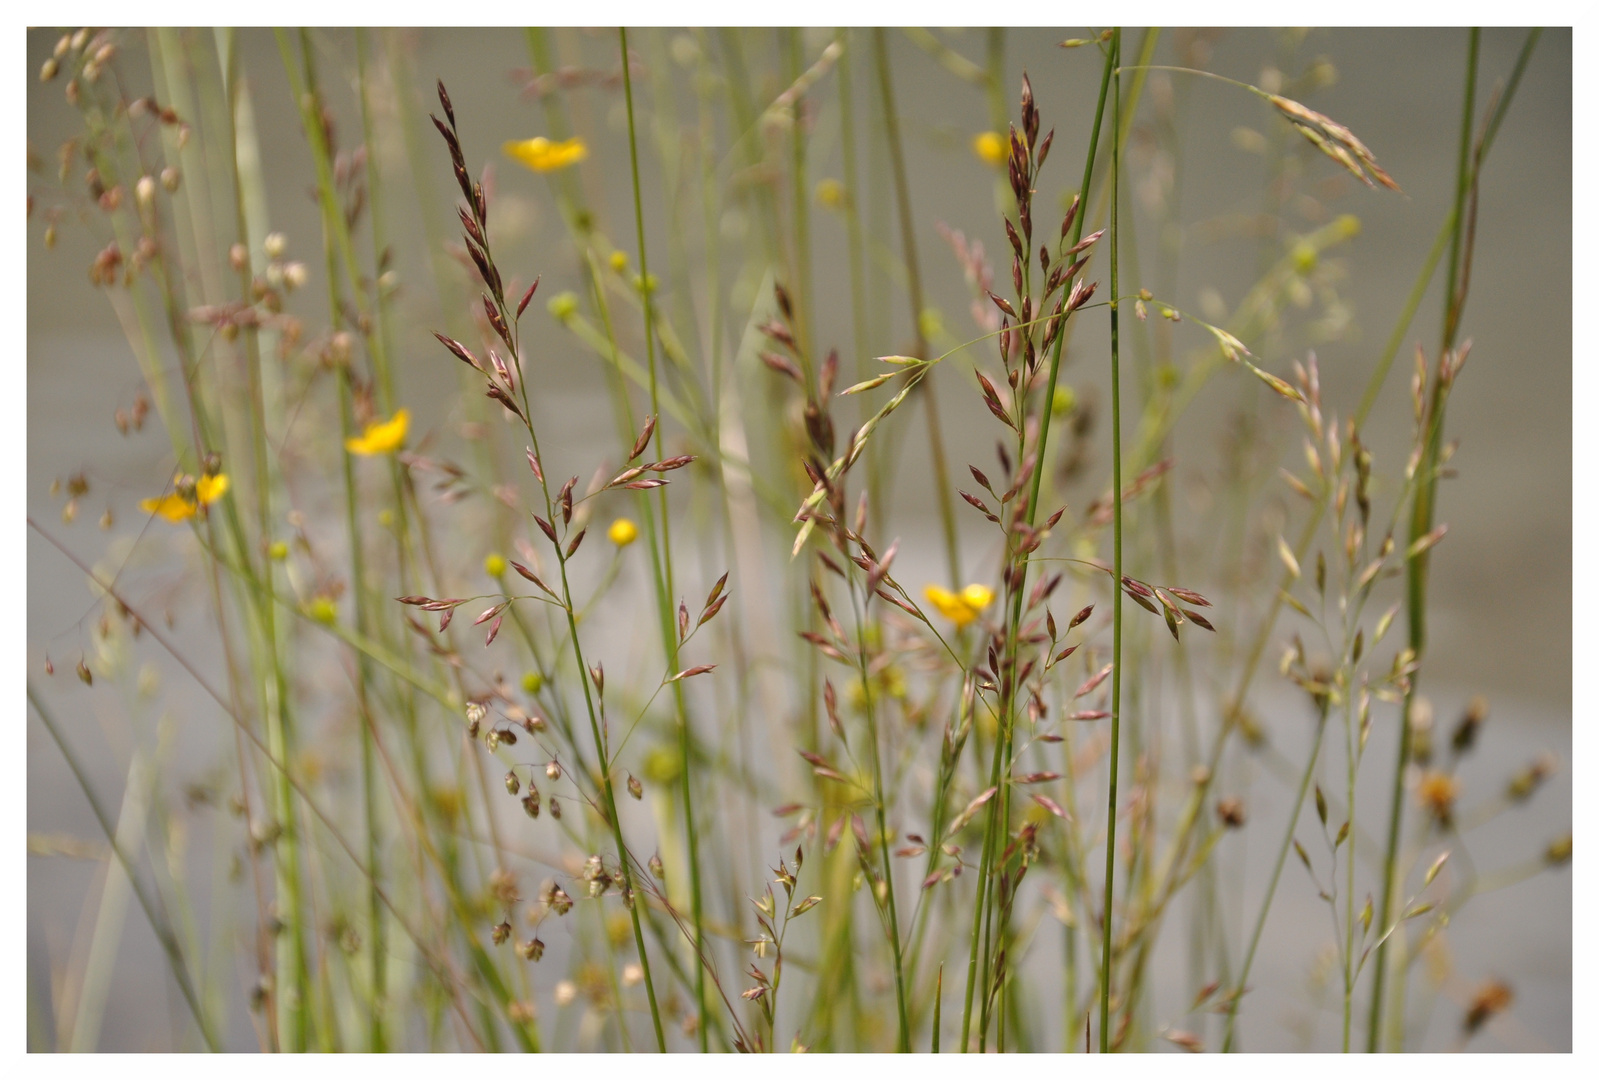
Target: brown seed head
x: 1436, y: 792
x: 1490, y: 999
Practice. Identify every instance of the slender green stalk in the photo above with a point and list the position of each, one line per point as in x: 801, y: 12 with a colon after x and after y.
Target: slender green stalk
x: 1416, y: 568
x: 263, y: 747
x: 1241, y: 983
x: 331, y: 218
x: 985, y: 866
x: 879, y: 804
x: 1017, y: 595
x: 153, y: 910
x: 907, y: 223
x: 1105, y: 972
x: 1060, y: 339
x: 856, y: 243
x: 669, y: 638
x: 1190, y: 815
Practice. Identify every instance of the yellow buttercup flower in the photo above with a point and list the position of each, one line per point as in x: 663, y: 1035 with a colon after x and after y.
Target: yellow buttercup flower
x: 542, y: 155
x: 622, y: 532
x: 208, y: 489
x: 172, y: 506
x: 381, y: 436
x: 959, y: 608
x: 991, y: 147
x: 184, y: 501
x: 494, y: 565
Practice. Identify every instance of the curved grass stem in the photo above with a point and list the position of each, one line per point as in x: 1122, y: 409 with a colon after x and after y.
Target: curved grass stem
x: 661, y: 564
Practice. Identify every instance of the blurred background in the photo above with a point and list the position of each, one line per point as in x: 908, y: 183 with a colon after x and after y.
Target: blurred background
x: 1501, y: 601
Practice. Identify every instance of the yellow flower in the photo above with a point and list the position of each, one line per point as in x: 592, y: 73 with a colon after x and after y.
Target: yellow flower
x: 962, y: 607
x: 563, y: 306
x: 618, y: 261
x: 542, y: 155
x: 831, y: 194
x: 172, y: 506
x: 1065, y: 400
x: 991, y: 147
x: 494, y: 565
x: 186, y: 498
x: 208, y: 489
x: 622, y: 532
x: 532, y: 681
x: 381, y: 436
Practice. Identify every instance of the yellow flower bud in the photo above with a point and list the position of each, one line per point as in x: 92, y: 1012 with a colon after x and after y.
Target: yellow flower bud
x: 622, y: 532
x: 1064, y: 402
x: 991, y: 147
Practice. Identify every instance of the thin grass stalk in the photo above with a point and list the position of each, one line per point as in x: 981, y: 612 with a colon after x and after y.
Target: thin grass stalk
x: 913, y: 274
x: 1190, y: 815
x: 330, y: 212
x: 984, y: 867
x: 879, y: 805
x: 1241, y: 983
x: 250, y: 208
x: 664, y: 566
x: 1116, y: 490
x: 264, y: 748
x: 800, y: 287
x: 152, y: 910
x: 1416, y: 568
x: 110, y: 915
x: 1060, y: 339
x: 601, y: 745
x: 856, y: 248
x: 271, y: 683
x: 384, y: 378
x: 339, y: 243
x: 1017, y: 596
